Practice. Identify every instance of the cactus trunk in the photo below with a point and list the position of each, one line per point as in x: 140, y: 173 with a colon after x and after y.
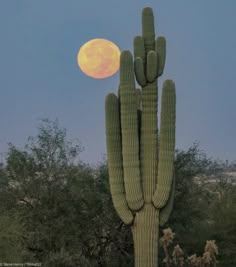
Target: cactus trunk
x: 145, y: 232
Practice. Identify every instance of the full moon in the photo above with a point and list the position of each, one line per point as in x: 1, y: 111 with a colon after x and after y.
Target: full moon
x: 99, y: 58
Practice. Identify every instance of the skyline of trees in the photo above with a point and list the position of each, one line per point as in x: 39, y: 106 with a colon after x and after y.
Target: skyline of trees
x: 58, y: 210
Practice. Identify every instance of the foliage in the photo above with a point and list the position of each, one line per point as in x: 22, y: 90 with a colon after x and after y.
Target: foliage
x: 178, y: 257
x: 204, y: 210
x: 43, y: 181
x: 11, y: 229
x: 222, y: 222
x: 60, y: 212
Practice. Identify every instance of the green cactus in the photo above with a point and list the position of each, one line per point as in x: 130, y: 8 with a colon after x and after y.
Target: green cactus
x: 140, y: 165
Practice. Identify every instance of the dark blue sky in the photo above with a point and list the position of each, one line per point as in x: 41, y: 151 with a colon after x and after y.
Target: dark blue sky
x: 39, y: 77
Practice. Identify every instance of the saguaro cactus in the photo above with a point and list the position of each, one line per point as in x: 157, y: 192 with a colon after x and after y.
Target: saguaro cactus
x: 140, y: 165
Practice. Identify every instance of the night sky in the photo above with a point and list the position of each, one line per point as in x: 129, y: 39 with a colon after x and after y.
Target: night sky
x: 39, y: 76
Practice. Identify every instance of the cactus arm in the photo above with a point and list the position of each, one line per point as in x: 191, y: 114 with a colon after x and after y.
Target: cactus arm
x: 139, y: 111
x: 167, y: 145
x: 165, y: 212
x: 139, y: 49
x: 139, y: 71
x: 129, y: 130
x: 152, y: 66
x: 139, y: 60
x: 160, y: 47
x: 114, y: 153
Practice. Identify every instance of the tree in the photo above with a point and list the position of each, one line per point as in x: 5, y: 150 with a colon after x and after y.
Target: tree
x: 53, y: 192
x: 57, y: 210
x: 202, y: 210
x: 11, y: 237
x: 11, y: 226
x: 191, y: 200
x: 223, y: 222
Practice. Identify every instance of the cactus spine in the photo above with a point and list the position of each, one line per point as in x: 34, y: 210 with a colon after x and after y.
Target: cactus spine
x: 140, y: 165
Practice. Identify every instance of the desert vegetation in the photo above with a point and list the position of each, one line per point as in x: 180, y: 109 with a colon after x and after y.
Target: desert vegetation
x: 57, y: 210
